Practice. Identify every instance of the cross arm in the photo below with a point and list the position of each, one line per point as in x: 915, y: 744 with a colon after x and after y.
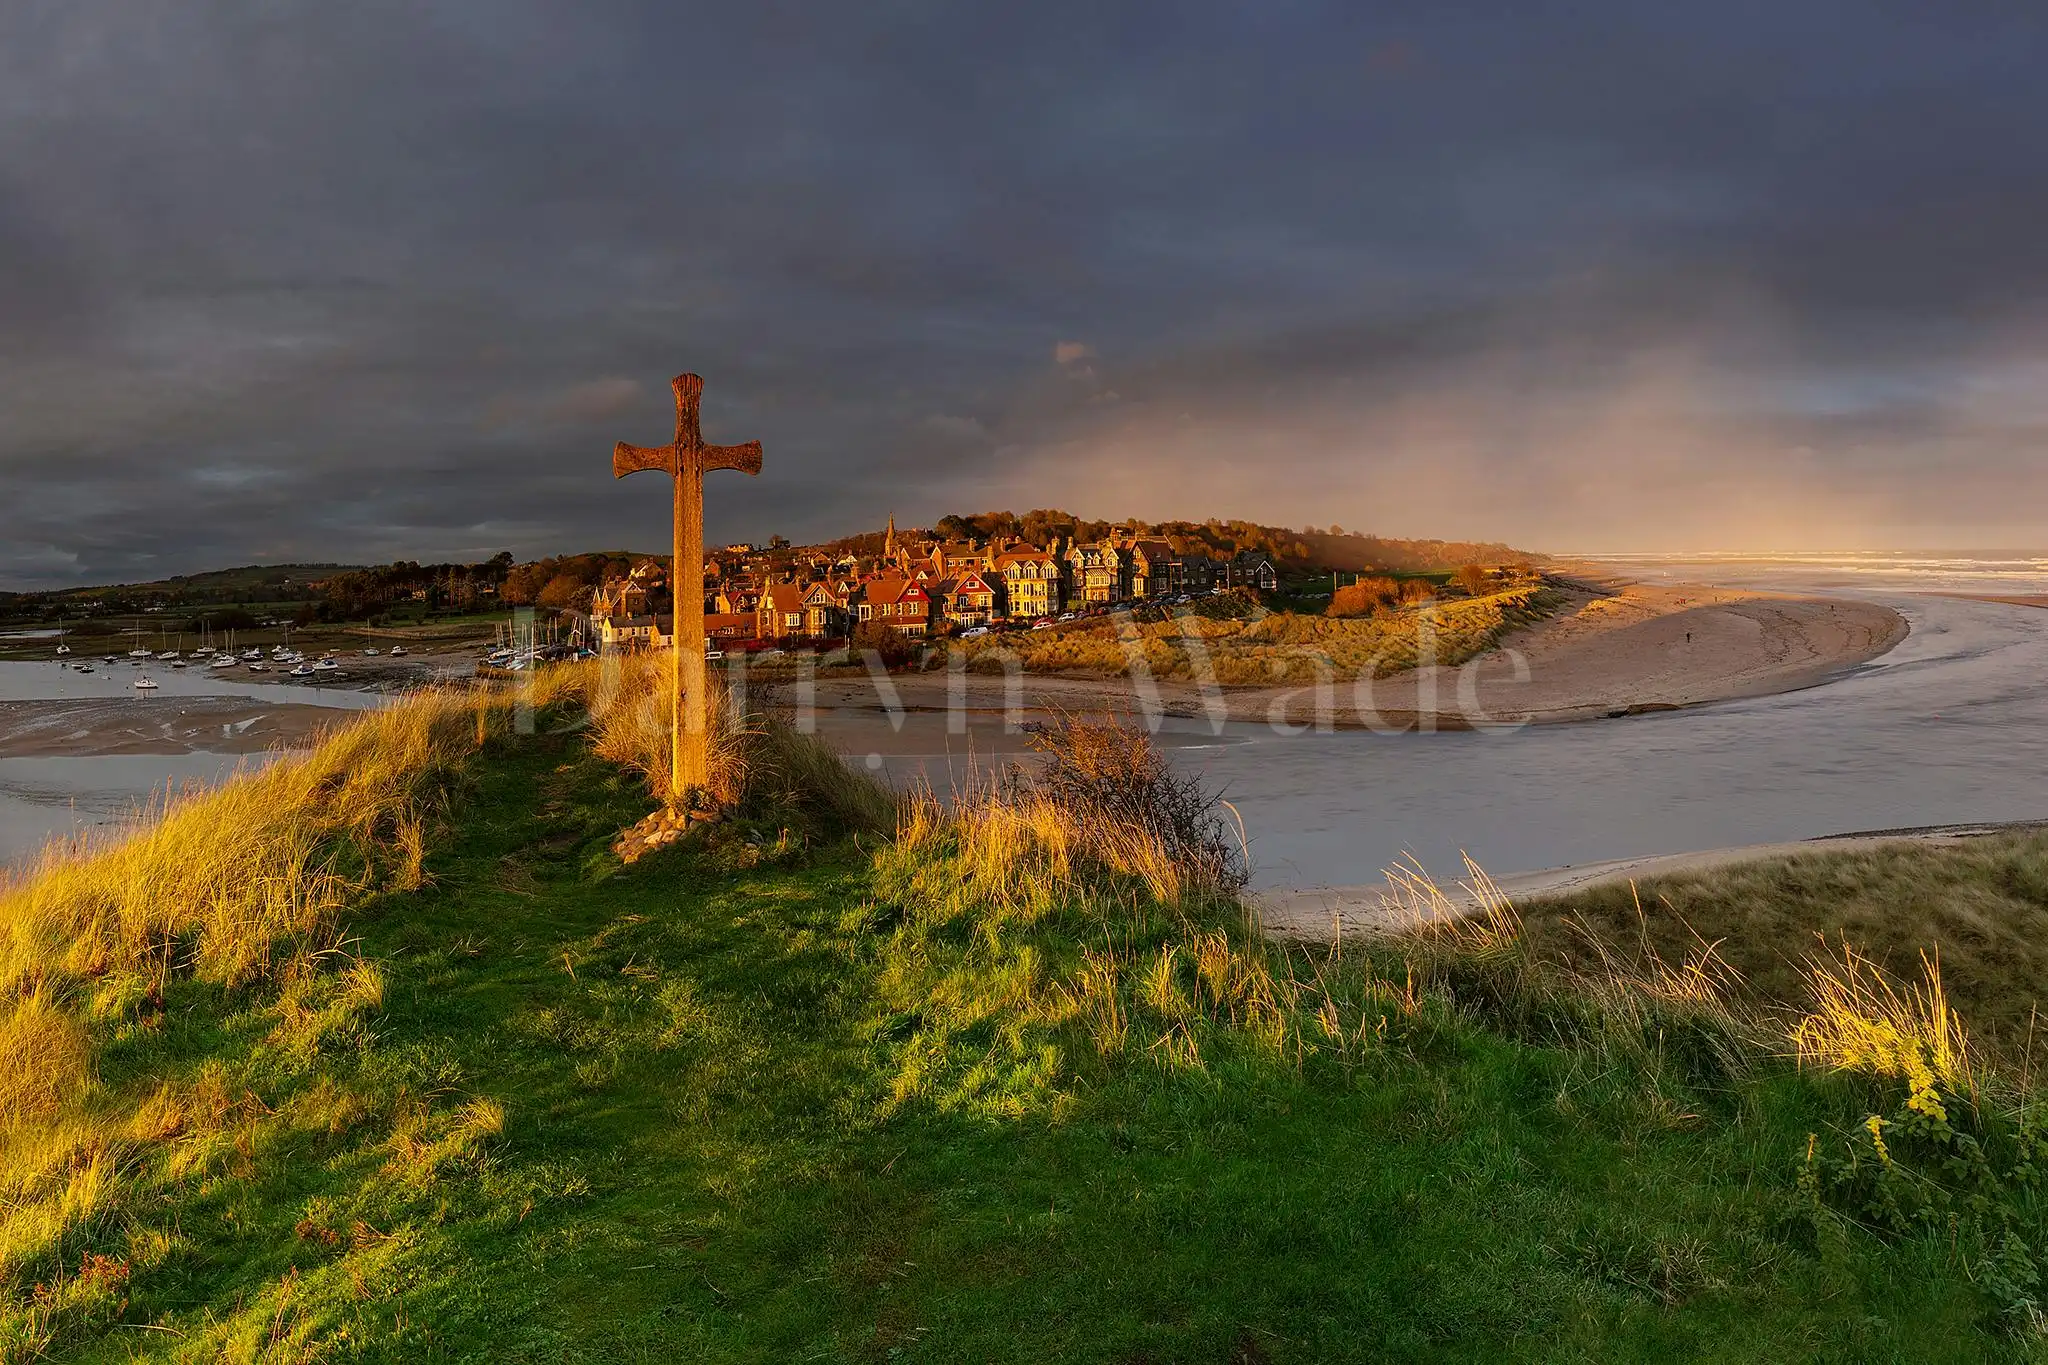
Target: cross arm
x: 629, y: 459
x: 745, y: 458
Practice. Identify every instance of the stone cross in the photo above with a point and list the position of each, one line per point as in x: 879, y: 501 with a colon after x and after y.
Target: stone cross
x: 685, y: 460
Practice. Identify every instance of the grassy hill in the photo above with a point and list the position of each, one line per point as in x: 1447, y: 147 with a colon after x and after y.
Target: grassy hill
x: 384, y: 1056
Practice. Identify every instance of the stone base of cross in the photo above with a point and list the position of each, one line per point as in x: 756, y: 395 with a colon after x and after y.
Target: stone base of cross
x: 685, y: 459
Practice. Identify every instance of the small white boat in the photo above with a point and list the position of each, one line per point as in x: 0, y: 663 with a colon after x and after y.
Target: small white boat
x: 145, y: 684
x: 252, y: 653
x: 326, y: 666
x: 141, y: 654
x: 111, y: 659
x: 178, y: 663
x: 372, y: 653
x: 223, y: 661
x: 85, y: 668
x: 168, y: 655
x: 397, y: 651
x: 300, y: 671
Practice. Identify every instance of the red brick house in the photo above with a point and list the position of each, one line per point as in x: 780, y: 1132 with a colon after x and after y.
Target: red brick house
x: 900, y: 603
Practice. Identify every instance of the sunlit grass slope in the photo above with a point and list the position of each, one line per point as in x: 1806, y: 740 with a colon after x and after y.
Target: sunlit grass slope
x: 1280, y: 647
x: 1008, y: 1081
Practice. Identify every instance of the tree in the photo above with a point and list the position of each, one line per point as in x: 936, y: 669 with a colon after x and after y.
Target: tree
x: 1473, y: 579
x: 561, y: 592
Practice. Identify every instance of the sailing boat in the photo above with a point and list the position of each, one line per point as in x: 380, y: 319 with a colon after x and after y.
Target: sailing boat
x: 145, y: 683
x: 139, y: 652
x: 62, y: 648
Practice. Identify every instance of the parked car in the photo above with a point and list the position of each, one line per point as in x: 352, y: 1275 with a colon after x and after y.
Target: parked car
x: 1044, y: 623
x: 971, y: 633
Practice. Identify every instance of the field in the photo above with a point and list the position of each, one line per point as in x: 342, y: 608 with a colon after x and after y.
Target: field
x: 1277, y: 647
x: 384, y: 1056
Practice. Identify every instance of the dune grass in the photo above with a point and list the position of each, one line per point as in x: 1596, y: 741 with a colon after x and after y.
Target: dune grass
x: 843, y: 1078
x: 1979, y: 907
x: 1280, y: 647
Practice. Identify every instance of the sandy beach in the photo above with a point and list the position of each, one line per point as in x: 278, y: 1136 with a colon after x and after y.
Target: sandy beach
x: 1618, y: 648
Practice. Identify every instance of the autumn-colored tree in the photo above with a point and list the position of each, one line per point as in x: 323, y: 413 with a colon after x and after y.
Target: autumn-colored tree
x: 1473, y: 578
x: 563, y: 591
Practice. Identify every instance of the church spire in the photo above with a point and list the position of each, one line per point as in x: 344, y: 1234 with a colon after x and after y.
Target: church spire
x: 889, y: 542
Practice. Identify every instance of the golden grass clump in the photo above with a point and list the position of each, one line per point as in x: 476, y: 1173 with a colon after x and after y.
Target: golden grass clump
x: 1862, y: 1021
x: 45, y: 1058
x: 1103, y: 819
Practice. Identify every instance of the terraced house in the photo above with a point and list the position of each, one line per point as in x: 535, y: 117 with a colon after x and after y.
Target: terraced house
x: 972, y: 599
x: 899, y: 603
x: 780, y: 613
x: 1033, y: 582
x: 1099, y: 572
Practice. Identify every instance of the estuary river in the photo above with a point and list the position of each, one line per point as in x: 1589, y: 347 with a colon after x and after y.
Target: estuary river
x: 1950, y: 726
x: 45, y: 796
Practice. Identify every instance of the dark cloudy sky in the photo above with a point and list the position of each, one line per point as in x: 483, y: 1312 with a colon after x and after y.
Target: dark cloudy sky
x: 388, y: 277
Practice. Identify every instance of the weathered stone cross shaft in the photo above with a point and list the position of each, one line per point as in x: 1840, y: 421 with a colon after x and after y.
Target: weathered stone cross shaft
x: 685, y: 460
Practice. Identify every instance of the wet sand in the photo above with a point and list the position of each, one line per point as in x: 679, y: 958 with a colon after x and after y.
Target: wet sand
x: 1619, y: 648
x: 2010, y: 600
x: 89, y: 728
x: 46, y: 712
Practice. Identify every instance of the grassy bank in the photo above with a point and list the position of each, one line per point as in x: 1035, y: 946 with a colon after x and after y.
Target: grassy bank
x: 1011, y: 1082
x: 1278, y: 647
x: 1979, y: 907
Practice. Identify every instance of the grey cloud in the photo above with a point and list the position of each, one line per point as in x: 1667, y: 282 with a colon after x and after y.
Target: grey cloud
x: 349, y: 282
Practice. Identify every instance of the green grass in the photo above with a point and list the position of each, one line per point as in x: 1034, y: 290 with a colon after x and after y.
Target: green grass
x: 759, y: 1101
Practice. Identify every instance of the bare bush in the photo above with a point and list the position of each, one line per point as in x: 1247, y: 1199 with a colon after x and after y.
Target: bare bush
x: 1110, y: 776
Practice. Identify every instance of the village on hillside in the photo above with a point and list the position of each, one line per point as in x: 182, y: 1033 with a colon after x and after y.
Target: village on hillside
x: 917, y: 585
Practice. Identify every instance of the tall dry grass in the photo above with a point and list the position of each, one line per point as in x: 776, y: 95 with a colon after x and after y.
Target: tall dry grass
x: 757, y: 759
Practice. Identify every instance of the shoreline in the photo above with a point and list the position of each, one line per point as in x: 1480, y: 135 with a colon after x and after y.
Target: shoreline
x: 1325, y: 913
x: 1621, y: 648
